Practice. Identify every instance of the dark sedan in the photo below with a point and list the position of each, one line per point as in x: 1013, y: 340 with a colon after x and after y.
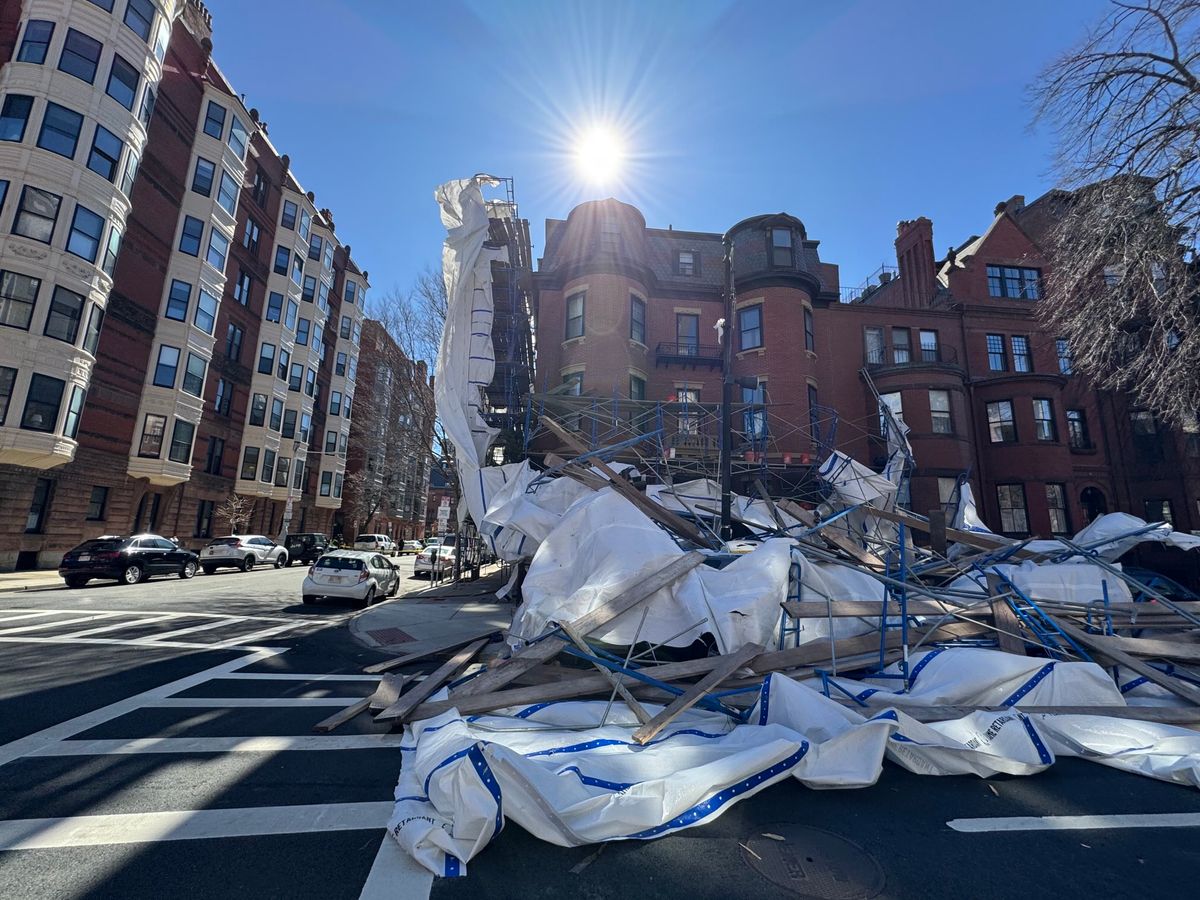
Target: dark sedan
x: 128, y: 560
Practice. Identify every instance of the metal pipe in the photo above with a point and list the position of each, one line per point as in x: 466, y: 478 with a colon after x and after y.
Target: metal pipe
x: 727, y: 396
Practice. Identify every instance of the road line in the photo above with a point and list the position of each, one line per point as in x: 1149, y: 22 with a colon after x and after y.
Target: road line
x: 90, y: 617
x: 1072, y: 823
x: 256, y: 636
x: 91, y: 631
x: 37, y: 741
x: 264, y: 744
x: 395, y: 875
x: 126, y: 642
x: 219, y: 623
x: 180, y: 615
x: 292, y: 676
x: 32, y: 615
x: 234, y: 702
x: 190, y: 825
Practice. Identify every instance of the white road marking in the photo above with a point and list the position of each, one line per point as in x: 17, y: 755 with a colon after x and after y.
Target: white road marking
x: 33, y: 615
x: 235, y: 702
x: 35, y: 742
x: 256, y: 636
x: 395, y: 875
x: 90, y: 617
x: 134, y: 623
x: 293, y: 676
x: 264, y: 744
x: 219, y: 623
x: 181, y: 615
x: 131, y: 642
x: 1061, y: 823
x: 189, y: 825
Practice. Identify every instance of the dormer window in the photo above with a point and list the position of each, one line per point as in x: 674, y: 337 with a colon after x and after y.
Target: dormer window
x: 781, y: 248
x: 687, y: 262
x: 1014, y: 282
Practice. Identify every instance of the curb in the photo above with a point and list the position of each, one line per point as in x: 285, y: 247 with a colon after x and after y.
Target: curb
x: 25, y: 590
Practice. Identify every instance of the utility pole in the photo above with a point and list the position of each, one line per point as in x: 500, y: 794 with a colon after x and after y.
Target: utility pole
x: 727, y: 397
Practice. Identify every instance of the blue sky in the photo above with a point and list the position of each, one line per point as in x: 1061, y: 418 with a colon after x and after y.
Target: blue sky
x: 851, y: 114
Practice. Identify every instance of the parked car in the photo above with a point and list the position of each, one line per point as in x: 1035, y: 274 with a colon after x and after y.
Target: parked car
x: 306, y: 547
x: 411, y: 547
x: 126, y: 559
x: 242, y: 551
x: 436, y: 558
x: 374, y: 543
x: 351, y: 574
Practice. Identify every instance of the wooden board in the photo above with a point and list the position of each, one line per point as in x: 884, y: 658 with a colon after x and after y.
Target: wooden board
x: 1150, y: 648
x: 1007, y: 623
x: 404, y: 706
x: 729, y: 663
x: 451, y: 644
x: 970, y: 538
x: 858, y: 609
x: 386, y: 693
x: 1116, y: 654
x: 834, y: 537
x: 636, y: 708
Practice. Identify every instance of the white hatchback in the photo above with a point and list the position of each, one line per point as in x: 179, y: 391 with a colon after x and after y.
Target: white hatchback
x: 353, y: 575
x: 243, y: 551
x: 374, y: 543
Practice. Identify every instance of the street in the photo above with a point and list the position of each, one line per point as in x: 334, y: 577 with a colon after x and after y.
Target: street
x: 157, y: 741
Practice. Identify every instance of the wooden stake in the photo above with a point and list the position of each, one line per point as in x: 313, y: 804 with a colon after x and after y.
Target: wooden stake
x: 385, y: 694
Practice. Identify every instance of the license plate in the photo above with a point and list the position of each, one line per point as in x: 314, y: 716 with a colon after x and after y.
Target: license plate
x: 85, y: 557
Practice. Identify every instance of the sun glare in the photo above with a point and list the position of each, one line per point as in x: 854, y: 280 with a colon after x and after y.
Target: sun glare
x: 599, y: 155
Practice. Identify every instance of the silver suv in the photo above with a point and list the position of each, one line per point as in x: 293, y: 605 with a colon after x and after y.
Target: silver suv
x: 243, y: 551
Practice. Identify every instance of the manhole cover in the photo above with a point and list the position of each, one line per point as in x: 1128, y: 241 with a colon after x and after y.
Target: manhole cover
x: 813, y: 863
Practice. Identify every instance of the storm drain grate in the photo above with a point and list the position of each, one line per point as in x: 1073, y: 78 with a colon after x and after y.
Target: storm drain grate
x: 813, y: 863
x: 390, y: 636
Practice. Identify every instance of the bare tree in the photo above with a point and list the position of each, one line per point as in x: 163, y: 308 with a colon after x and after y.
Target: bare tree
x: 1125, y: 108
x: 235, y: 512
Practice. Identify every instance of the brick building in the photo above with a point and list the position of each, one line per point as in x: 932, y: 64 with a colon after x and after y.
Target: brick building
x: 627, y: 313
x: 180, y: 320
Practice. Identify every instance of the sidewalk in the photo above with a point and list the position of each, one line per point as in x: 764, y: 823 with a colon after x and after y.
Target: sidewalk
x: 37, y: 580
x: 434, y: 614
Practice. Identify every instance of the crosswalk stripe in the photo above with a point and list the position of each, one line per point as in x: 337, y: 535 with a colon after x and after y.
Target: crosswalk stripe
x: 395, y: 875
x: 90, y: 617
x: 1071, y: 823
x: 134, y: 623
x: 206, y: 626
x: 236, y: 702
x: 256, y: 636
x: 295, y: 676
x: 263, y: 744
x: 32, y: 615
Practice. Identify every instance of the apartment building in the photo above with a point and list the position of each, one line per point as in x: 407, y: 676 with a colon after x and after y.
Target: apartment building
x: 173, y: 304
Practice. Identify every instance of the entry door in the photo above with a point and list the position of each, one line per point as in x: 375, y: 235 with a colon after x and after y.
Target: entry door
x: 687, y: 334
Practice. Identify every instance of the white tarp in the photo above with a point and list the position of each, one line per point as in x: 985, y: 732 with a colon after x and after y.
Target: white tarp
x: 702, y: 496
x: 466, y: 360
x: 523, y: 509
x: 1106, y: 533
x: 553, y: 771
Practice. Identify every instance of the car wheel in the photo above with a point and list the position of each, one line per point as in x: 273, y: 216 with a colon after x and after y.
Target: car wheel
x: 133, y: 574
x: 395, y: 587
x: 188, y: 570
x: 309, y: 598
x: 282, y: 560
x: 208, y: 570
x: 247, y: 563
x: 76, y: 581
x: 370, y: 598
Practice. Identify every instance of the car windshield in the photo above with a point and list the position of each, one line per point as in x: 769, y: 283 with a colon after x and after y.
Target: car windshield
x: 100, y: 545
x: 224, y: 542
x: 340, y: 562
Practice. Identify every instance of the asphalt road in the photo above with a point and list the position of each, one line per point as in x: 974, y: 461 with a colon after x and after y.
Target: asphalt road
x: 144, y: 754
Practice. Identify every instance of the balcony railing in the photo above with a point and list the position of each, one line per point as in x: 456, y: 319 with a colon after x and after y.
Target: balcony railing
x: 687, y: 353
x: 881, y: 357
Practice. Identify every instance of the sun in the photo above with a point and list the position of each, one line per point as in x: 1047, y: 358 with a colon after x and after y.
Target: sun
x: 599, y: 155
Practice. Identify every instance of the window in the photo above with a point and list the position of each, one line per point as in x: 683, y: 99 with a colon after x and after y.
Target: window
x: 202, y: 177
x: 754, y: 417
x: 241, y: 287
x: 122, y: 81
x: 36, y: 41
x: 1158, y: 511
x: 1043, y: 420
x: 105, y: 5
x: 339, y: 366
x: 3, y: 192
x: 284, y: 359
x: 1077, y: 430
x: 305, y: 427
x: 946, y: 489
x: 781, y: 247
x: 331, y: 442
x: 222, y: 397
x: 1056, y: 505
x: 344, y: 332
x: 810, y: 336
x: 66, y: 310
x: 309, y: 291
x: 181, y: 442
x: 193, y: 375
x: 18, y: 294
x: 302, y: 330
x: 39, y: 507
x: 60, y: 130
x: 288, y: 218
x: 8, y: 378
x: 575, y: 306
x: 258, y: 409
x: 637, y: 388
x: 238, y: 138
x: 42, y: 403
x: 349, y: 294
x: 687, y: 334
x: 297, y: 269
x: 901, y: 346
x: 686, y: 262
x: 289, y: 423
x: 296, y: 377
x: 357, y: 336
x: 873, y: 344
x: 282, y: 258
x: 314, y: 249
x: 111, y: 249
x: 261, y: 187
x: 1001, y: 427
x: 750, y: 330
x: 335, y: 403
x: 1011, y: 500
x: 97, y: 504
x: 74, y: 411
x: 189, y: 238
x: 86, y: 230
x: 323, y: 296
x: 328, y: 260
x: 228, y: 193
x: 281, y: 471
x: 274, y: 306
x: 298, y: 480
x: 346, y: 406
x: 326, y: 483
x: 289, y: 318
x: 127, y: 178
x: 139, y: 16
x: 206, y: 311
x: 1143, y: 423
x: 929, y: 346
x: 166, y: 367
x: 218, y: 249
x: 310, y: 382
x: 268, y: 467
x: 249, y: 464
x: 80, y: 54
x: 1010, y: 281
x: 251, y: 235
x: 14, y: 116
x: 939, y: 412
x: 91, y: 337
x: 233, y: 342
x: 1063, y: 352
x: 105, y: 155
x: 337, y: 484
x: 147, y: 108
x: 275, y: 423
x: 342, y: 445
x: 997, y: 358
x: 1020, y: 353
x: 204, y: 519
x: 352, y: 369
x: 305, y: 222
x: 214, y: 120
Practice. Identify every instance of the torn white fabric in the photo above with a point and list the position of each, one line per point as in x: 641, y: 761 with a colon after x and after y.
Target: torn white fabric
x: 523, y: 507
x: 1110, y: 535
x: 702, y: 496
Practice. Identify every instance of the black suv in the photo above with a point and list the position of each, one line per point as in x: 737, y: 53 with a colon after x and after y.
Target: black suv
x: 126, y: 559
x: 305, y: 547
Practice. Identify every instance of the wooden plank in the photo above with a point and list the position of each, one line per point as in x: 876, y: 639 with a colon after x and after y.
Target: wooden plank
x: 729, y: 664
x: 636, y: 708
x: 433, y: 649
x: 1116, y: 654
x: 537, y: 653
x: 404, y: 706
x: 386, y: 693
x: 771, y: 507
x: 970, y: 538
x: 834, y: 537
x: 937, y: 531
x: 819, y: 609
x: 1006, y: 620
x: 1150, y: 647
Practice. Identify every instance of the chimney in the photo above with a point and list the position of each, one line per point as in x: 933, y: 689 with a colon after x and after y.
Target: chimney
x: 914, y: 254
